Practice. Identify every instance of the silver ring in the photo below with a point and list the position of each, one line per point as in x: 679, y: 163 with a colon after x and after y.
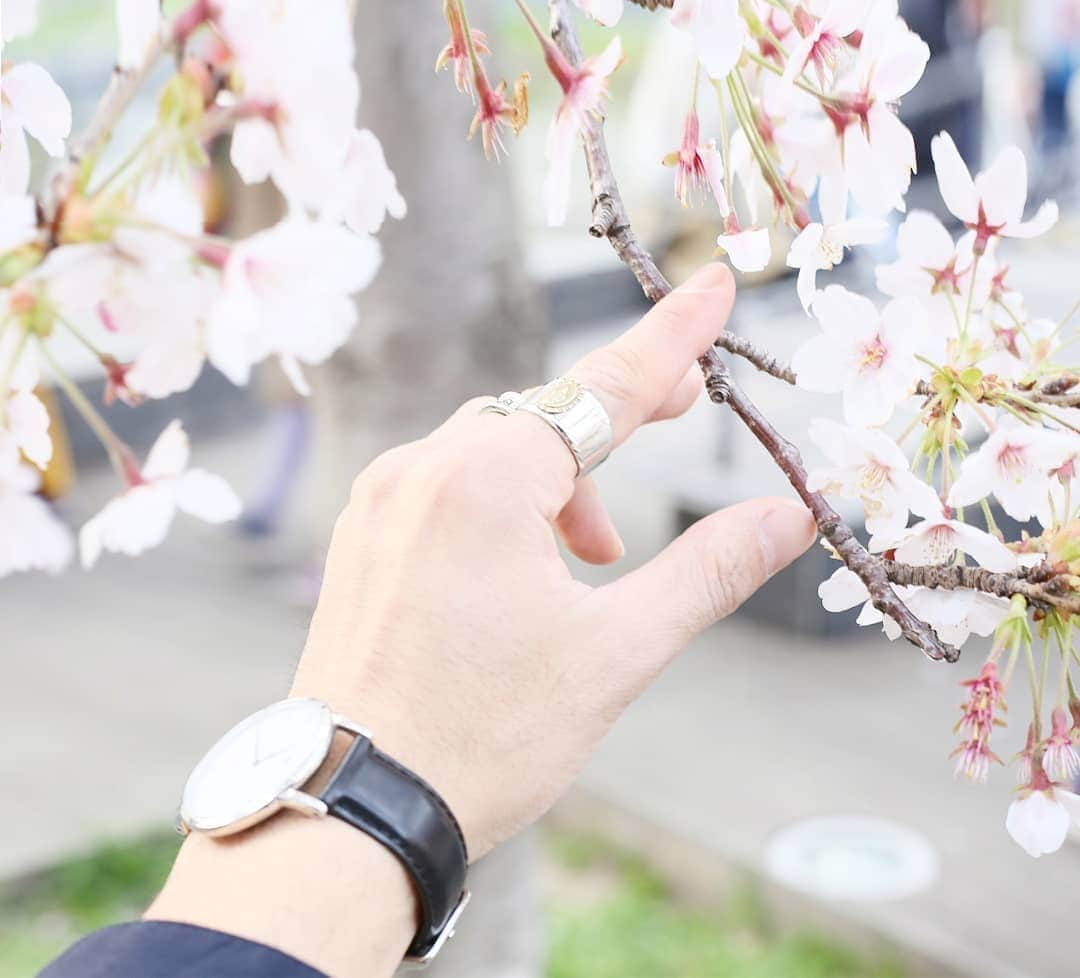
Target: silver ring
x: 573, y: 411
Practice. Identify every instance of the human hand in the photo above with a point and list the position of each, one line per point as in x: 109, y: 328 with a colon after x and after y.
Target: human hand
x: 450, y: 626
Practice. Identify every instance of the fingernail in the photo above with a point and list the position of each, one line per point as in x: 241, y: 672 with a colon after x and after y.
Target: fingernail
x: 709, y: 278
x: 784, y: 533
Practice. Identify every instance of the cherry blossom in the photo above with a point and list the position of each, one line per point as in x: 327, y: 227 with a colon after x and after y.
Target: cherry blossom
x: 1039, y: 819
x: 366, y: 190
x: 717, y: 30
x: 821, y: 41
x: 27, y: 423
x: 456, y: 53
x: 33, y: 538
x: 699, y: 168
x: 1061, y: 762
x: 18, y: 221
x: 606, y: 12
x: 929, y: 263
x: 873, y: 153
x: 991, y: 205
x: 867, y: 355
x: 936, y: 540
x: 748, y: 248
x: 819, y: 247
x: 31, y: 103
x: 19, y: 18
x: 286, y: 292
x: 297, y: 59
x: 139, y: 518
x: 869, y: 466
x: 1012, y: 464
x: 954, y: 615
x: 584, y: 88
x: 979, y: 716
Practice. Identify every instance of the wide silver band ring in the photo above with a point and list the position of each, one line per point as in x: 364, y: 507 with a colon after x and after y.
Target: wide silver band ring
x: 573, y: 411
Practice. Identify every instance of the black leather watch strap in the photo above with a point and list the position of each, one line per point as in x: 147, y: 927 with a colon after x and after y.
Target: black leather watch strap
x: 374, y: 793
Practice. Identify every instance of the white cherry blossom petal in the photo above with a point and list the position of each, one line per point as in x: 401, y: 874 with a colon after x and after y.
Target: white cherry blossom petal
x: 954, y: 179
x: 1038, y: 823
x: 207, y: 496
x: 717, y: 30
x: 38, y: 104
x: 20, y: 17
x: 170, y: 453
x: 28, y: 422
x: 605, y: 12
x: 749, y: 249
x: 129, y: 524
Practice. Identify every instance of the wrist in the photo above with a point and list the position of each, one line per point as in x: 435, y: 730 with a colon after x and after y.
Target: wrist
x: 317, y: 889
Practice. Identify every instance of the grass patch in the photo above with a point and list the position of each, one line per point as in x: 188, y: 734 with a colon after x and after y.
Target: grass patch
x: 611, y: 916
x: 43, y: 914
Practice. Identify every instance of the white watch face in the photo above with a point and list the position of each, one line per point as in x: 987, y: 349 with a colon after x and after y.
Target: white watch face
x: 239, y: 780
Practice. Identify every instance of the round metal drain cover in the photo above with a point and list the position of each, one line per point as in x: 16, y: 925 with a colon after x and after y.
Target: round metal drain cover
x: 852, y: 857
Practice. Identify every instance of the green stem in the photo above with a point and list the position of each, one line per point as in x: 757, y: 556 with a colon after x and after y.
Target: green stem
x: 1040, y: 409
x: 116, y: 449
x: 79, y: 335
x: 1036, y: 704
x: 9, y: 370
x: 991, y: 524
x: 132, y: 155
x: 970, y: 301
x: 725, y: 144
x: 744, y: 113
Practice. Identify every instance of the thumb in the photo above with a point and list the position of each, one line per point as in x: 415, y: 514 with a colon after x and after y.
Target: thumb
x: 705, y: 574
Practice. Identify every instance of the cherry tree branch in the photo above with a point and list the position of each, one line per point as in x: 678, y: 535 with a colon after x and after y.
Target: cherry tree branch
x: 123, y: 85
x: 1054, y: 592
x: 610, y: 220
x: 653, y: 4
x: 760, y: 358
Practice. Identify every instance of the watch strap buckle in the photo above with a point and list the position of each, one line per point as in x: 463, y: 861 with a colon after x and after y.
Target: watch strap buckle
x: 423, y: 960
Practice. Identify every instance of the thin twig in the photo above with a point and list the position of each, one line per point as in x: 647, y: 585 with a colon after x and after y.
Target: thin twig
x: 762, y: 359
x: 1055, y: 592
x: 610, y: 220
x: 122, y: 88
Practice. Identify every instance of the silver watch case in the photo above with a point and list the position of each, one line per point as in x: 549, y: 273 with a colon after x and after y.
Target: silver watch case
x: 259, y: 767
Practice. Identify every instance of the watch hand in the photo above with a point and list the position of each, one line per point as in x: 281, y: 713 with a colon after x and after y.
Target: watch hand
x: 270, y: 757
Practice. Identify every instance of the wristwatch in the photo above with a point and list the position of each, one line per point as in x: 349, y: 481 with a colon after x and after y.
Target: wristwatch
x: 260, y: 766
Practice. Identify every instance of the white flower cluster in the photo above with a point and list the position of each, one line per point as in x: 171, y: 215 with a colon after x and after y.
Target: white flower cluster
x: 948, y: 356
x: 122, y: 261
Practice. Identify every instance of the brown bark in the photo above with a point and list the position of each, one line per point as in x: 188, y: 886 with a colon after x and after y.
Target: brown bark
x: 610, y: 220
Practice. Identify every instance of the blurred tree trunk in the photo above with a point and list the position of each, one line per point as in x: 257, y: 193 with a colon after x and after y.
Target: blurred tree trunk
x: 450, y: 316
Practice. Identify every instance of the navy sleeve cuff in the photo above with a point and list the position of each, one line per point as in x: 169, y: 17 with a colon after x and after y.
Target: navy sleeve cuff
x: 157, y: 949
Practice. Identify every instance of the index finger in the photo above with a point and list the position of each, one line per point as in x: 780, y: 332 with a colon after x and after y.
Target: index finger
x: 633, y: 375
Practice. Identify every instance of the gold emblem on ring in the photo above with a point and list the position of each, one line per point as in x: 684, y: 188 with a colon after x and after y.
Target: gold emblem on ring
x: 558, y: 396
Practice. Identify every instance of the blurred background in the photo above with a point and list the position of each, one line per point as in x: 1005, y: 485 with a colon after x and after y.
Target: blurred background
x: 780, y: 805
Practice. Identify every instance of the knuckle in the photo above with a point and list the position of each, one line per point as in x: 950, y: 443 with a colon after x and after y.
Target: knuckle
x: 380, y: 479
x: 453, y: 483
x: 619, y: 371
x: 730, y: 574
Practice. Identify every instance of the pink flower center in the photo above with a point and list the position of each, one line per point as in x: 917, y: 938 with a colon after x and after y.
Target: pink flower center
x: 1013, y: 462
x: 874, y: 354
x: 873, y: 476
x: 945, y: 278
x: 984, y: 231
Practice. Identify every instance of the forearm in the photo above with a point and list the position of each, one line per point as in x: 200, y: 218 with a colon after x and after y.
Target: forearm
x: 316, y: 889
